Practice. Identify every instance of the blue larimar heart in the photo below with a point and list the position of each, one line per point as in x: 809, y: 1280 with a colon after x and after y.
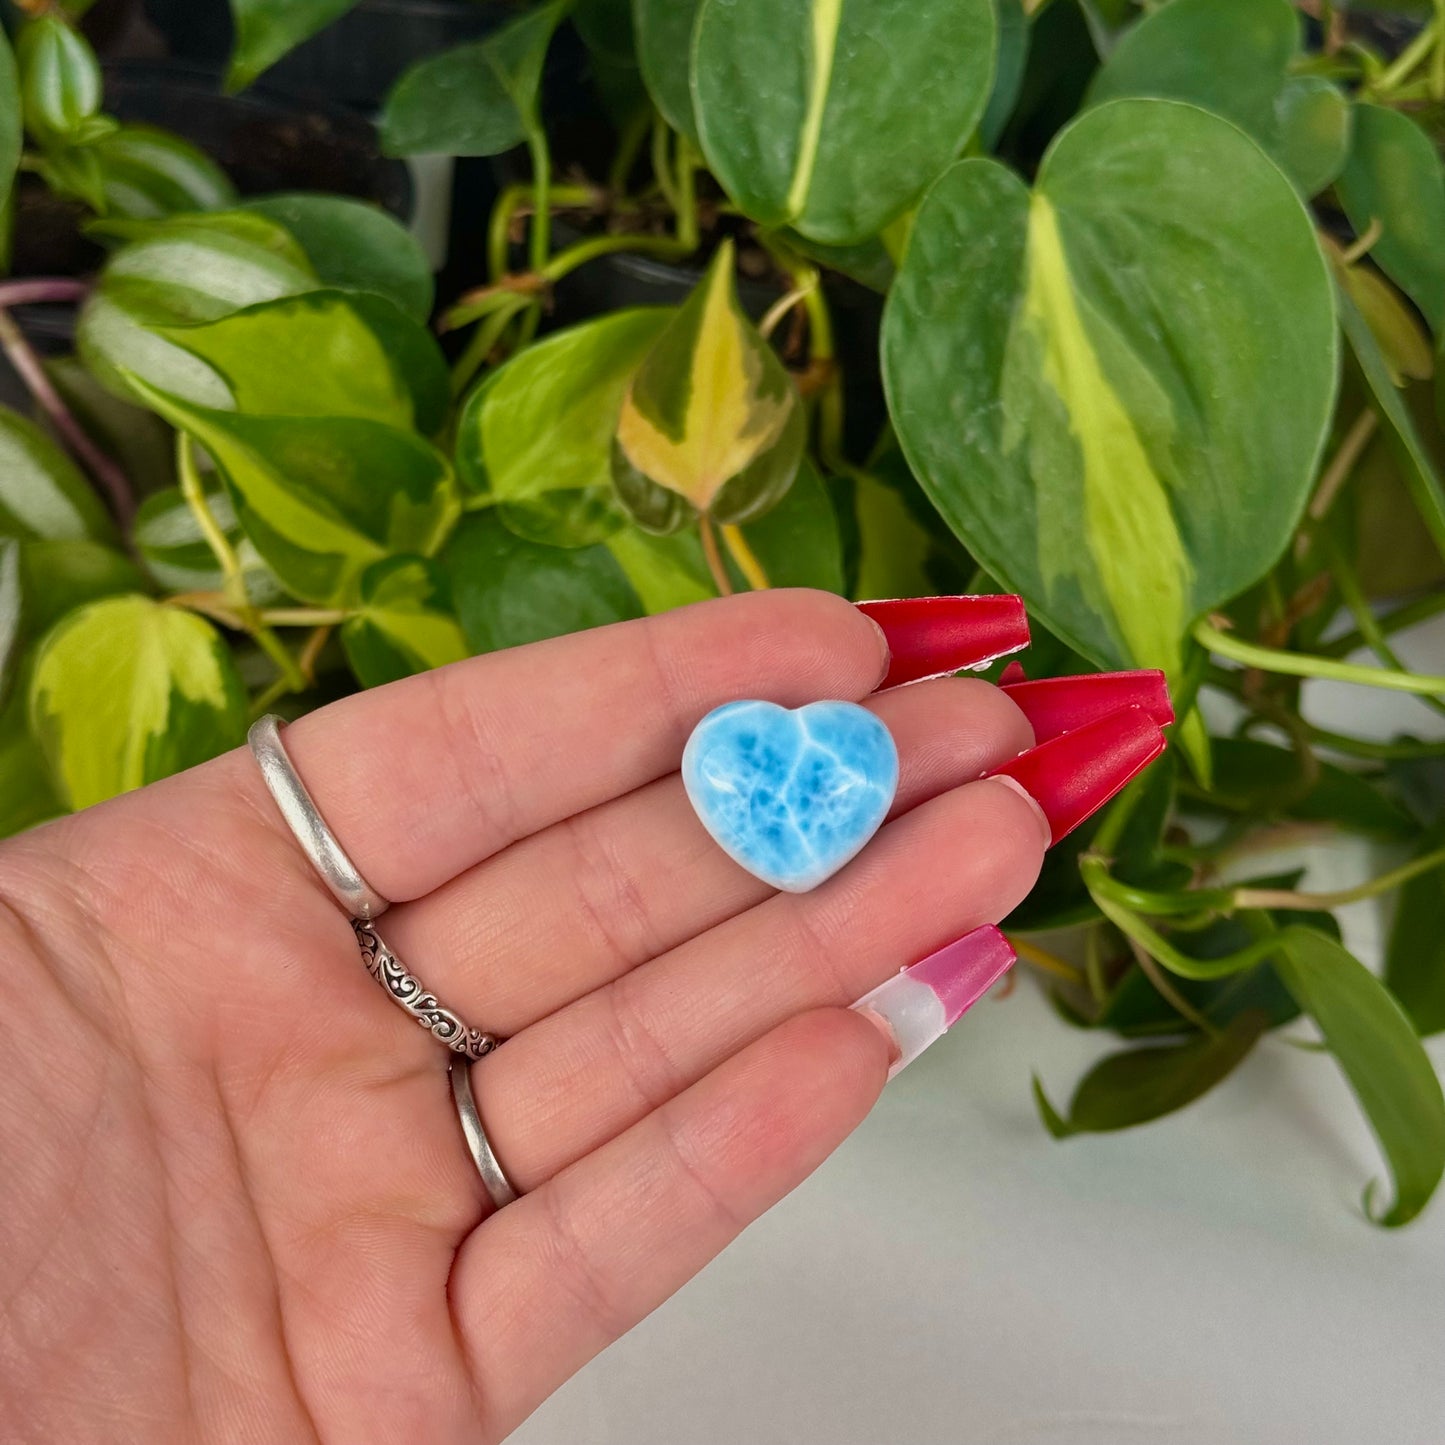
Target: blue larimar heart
x: 791, y: 795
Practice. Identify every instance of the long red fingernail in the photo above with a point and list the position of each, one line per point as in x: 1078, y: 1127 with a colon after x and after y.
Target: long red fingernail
x: 933, y: 636
x: 1073, y: 775
x: 1057, y: 705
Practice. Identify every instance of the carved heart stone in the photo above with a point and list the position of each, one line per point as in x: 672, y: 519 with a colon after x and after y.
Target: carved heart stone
x: 791, y: 794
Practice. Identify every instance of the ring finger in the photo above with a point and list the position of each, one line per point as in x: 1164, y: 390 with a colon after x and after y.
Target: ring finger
x: 579, y: 1077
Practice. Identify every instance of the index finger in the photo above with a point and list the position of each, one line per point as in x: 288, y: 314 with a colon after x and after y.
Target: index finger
x: 426, y: 777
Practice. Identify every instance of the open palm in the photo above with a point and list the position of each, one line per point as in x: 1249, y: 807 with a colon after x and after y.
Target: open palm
x: 237, y: 1201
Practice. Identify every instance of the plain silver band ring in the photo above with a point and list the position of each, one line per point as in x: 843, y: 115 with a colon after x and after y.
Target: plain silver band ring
x: 298, y: 808
x: 494, y: 1177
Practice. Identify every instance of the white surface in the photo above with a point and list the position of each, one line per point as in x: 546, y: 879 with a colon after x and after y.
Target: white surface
x: 955, y: 1277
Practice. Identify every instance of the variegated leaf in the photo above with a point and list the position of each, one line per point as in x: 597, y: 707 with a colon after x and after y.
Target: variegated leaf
x: 711, y: 422
x: 832, y: 115
x: 127, y: 690
x: 1115, y: 387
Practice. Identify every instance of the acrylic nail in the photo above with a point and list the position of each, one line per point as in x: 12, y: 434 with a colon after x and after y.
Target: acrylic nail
x: 933, y: 636
x: 923, y: 1002
x: 1055, y: 705
x: 1013, y: 673
x: 1073, y: 775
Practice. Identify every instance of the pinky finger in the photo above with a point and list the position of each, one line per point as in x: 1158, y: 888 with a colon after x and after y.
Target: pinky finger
x: 547, y: 1283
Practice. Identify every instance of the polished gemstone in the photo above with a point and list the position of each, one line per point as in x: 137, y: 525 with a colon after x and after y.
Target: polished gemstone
x: 791, y: 795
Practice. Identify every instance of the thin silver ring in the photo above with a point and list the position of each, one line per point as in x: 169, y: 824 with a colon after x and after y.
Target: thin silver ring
x: 494, y: 1177
x: 318, y: 842
x: 363, y: 905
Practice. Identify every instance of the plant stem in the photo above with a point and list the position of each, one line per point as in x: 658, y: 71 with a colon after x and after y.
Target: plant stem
x: 1406, y: 62
x: 106, y: 473
x: 594, y: 246
x: 1093, y: 870
x: 1291, y: 664
x: 1399, y: 750
x: 250, y: 619
x: 746, y: 559
x: 661, y: 169
x: 687, y: 220
x: 1042, y: 959
x: 269, y: 697
x: 715, y: 563
x: 480, y: 346
x: 1343, y: 462
x: 1094, y: 964
x: 1361, y: 246
x: 630, y: 143
x: 1168, y: 992
x: 41, y: 289
x: 1324, y: 902
x: 1354, y: 598
x: 780, y: 309
x: 303, y: 616
x: 541, y: 235
x: 1420, y: 610
x: 194, y: 494
x: 512, y: 201
x: 311, y: 651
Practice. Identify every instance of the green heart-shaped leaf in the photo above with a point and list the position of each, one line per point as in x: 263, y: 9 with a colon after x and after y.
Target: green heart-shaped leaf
x: 176, y: 553
x: 535, y: 439
x: 663, y: 33
x: 1415, y: 957
x: 356, y: 247
x: 267, y: 29
x: 310, y: 355
x: 509, y: 591
x: 1381, y: 1055
x: 1233, y: 57
x: 26, y: 797
x: 474, y: 100
x: 1417, y: 467
x: 42, y: 492
x: 146, y: 173
x: 404, y: 623
x: 1140, y: 1085
x: 65, y: 574
x: 710, y: 423
x: 322, y: 498
x: 1008, y: 73
x: 796, y: 544
x: 125, y: 691
x: 11, y: 128
x: 1115, y: 387
x: 1394, y: 178
x: 188, y: 268
x: 833, y: 115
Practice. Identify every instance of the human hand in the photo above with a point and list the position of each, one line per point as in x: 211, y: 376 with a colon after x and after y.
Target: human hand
x: 237, y: 1201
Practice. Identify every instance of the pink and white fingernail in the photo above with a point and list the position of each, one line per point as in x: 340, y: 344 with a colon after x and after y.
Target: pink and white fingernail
x: 920, y: 1004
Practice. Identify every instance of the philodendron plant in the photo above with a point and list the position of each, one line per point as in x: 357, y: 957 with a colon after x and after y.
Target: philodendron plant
x: 1162, y: 293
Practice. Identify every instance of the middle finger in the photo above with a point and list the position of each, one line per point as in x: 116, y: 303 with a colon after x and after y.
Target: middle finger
x: 579, y: 904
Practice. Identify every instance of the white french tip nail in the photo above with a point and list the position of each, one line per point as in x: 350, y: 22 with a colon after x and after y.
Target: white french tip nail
x: 923, y: 1002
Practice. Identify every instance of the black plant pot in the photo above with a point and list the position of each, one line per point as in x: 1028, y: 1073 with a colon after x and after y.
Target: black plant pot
x: 265, y: 140
x: 355, y: 60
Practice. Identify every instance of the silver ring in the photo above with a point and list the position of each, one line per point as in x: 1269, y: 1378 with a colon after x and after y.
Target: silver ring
x: 414, y: 996
x: 298, y: 808
x: 494, y: 1177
